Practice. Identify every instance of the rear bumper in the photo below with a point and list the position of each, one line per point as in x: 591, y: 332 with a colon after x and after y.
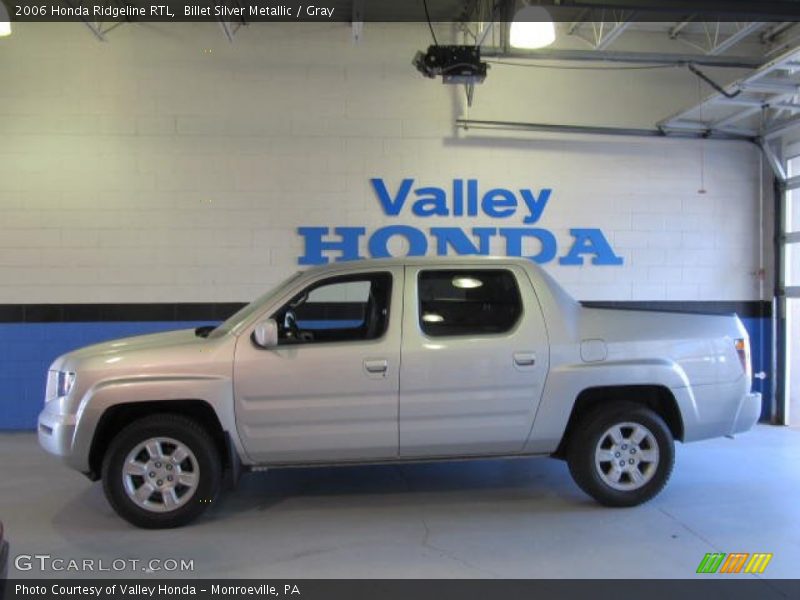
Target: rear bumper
x: 748, y: 412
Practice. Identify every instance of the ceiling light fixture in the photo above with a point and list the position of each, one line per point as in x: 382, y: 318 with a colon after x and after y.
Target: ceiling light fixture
x: 466, y: 283
x: 432, y: 318
x: 5, y: 20
x: 531, y: 28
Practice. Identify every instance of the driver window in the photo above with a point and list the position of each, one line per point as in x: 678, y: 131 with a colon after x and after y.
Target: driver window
x: 339, y: 309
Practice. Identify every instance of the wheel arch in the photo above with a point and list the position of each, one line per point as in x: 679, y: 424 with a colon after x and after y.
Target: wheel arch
x: 117, y: 416
x: 658, y: 398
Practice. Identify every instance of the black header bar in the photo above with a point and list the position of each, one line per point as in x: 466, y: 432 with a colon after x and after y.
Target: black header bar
x: 729, y: 587
x: 251, y: 11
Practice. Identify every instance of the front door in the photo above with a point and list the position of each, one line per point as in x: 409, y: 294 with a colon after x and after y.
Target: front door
x: 329, y: 391
x: 475, y: 356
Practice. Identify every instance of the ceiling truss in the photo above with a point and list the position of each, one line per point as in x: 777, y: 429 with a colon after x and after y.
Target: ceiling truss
x: 766, y: 99
x: 762, y: 107
x: 602, y: 31
x: 230, y: 27
x: 714, y: 40
x: 765, y: 105
x: 99, y: 29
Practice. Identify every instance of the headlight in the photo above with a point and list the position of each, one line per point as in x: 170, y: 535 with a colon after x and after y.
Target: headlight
x: 59, y: 384
x: 64, y: 383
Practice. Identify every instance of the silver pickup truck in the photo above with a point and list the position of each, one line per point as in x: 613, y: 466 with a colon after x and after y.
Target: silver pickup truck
x: 398, y: 360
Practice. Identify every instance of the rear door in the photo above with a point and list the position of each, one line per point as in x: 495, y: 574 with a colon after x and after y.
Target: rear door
x: 474, y: 360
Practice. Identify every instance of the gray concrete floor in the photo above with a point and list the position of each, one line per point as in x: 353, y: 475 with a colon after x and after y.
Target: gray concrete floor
x: 512, y: 518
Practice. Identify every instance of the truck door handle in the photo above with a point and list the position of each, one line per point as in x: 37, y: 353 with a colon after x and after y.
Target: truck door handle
x: 376, y: 366
x: 525, y: 359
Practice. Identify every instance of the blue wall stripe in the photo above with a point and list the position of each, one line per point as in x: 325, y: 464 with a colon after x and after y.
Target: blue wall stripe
x: 760, y: 332
x: 28, y: 349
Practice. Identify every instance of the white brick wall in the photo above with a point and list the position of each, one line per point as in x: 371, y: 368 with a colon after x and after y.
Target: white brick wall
x: 168, y: 165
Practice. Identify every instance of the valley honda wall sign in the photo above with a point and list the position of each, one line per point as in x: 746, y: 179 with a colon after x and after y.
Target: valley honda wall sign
x: 462, y: 200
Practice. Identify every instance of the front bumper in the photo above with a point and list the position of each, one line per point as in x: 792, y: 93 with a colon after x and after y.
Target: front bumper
x: 56, y: 433
x: 748, y: 413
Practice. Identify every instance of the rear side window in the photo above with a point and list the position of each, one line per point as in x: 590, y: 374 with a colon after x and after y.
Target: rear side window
x: 466, y: 302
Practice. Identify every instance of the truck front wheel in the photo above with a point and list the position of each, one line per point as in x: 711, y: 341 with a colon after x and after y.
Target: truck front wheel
x: 621, y: 455
x: 161, y: 471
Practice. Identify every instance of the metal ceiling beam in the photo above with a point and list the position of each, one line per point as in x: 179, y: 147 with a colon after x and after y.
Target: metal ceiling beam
x: 784, y: 46
x: 739, y: 101
x: 94, y: 29
x: 767, y: 103
x: 771, y: 87
x: 716, y: 42
x: 790, y: 106
x: 229, y: 28
x: 773, y: 159
x: 780, y: 128
x: 98, y: 29
x: 612, y: 35
x: 741, y: 10
x: 676, y: 29
x: 769, y: 36
x: 703, y: 128
x: 737, y: 116
x: 579, y: 20
x: 733, y: 39
x: 733, y: 107
x: 357, y: 21
x: 792, y: 183
x: 589, y: 130
x: 667, y: 58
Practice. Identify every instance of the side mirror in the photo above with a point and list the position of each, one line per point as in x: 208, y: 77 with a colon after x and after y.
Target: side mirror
x: 265, y: 335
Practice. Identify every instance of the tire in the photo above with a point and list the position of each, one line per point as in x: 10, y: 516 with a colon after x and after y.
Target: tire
x: 149, y: 452
x: 607, y: 437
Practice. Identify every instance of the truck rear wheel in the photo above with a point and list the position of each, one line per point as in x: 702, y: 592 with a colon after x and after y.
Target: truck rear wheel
x: 161, y: 471
x: 621, y: 455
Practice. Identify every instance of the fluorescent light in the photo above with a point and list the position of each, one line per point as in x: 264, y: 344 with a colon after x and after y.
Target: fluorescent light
x: 432, y: 318
x: 531, y: 28
x: 5, y: 21
x: 466, y: 283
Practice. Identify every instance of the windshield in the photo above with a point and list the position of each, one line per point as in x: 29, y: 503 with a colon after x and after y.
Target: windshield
x: 243, y: 314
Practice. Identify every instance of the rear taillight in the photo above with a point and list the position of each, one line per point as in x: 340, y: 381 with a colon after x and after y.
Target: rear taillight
x: 743, y: 350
